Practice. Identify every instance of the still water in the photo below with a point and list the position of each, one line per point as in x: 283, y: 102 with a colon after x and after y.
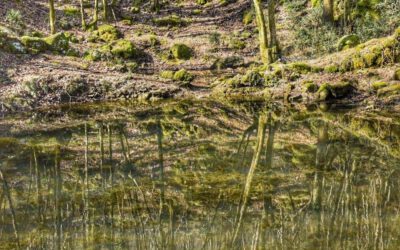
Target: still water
x: 200, y: 175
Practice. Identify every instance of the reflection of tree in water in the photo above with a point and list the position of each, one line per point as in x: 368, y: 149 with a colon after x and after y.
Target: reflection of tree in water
x: 178, y: 178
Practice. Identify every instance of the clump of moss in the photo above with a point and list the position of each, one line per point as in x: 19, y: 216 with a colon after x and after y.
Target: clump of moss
x: 331, y: 68
x: 154, y: 42
x: 390, y: 90
x: 248, y: 17
x: 124, y: 49
x: 11, y: 44
x: 378, y: 85
x: 348, y: 41
x: 236, y: 44
x: 71, y: 11
x: 181, y: 51
x: 335, y: 91
x: 58, y: 42
x: 228, y: 62
x: 171, y: 21
x: 106, y: 33
x: 396, y: 74
x: 181, y: 75
x: 34, y: 44
x: 310, y: 87
x: 252, y: 78
x: 299, y: 67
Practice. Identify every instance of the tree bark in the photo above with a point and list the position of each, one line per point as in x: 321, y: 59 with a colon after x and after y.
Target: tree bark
x: 262, y: 32
x: 52, y: 15
x: 83, y: 15
x: 274, y: 50
x: 105, y: 10
x: 328, y: 11
x: 96, y: 13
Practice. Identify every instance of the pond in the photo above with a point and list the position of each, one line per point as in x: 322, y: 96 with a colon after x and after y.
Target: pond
x: 200, y: 175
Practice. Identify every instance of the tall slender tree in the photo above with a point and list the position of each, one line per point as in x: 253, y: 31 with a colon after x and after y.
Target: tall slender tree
x: 274, y: 50
x: 105, y: 10
x: 52, y: 17
x: 328, y: 11
x: 83, y: 21
x: 262, y: 31
x: 95, y: 14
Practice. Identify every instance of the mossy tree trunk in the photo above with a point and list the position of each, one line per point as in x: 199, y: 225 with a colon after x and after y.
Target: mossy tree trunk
x: 52, y: 15
x: 156, y: 6
x: 83, y: 15
x: 96, y: 13
x: 274, y: 50
x: 105, y: 10
x: 328, y: 11
x: 262, y: 31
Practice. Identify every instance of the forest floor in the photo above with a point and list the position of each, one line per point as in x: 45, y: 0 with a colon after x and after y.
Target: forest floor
x: 214, y: 32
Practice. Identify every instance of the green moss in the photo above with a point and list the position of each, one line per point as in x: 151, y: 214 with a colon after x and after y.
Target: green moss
x: 378, y: 85
x: 123, y: 49
x: 11, y: 44
x: 71, y: 11
x: 181, y: 51
x: 58, y: 42
x: 390, y: 90
x: 252, y: 78
x: 154, y: 42
x: 396, y: 74
x: 335, y: 91
x: 248, y: 17
x: 236, y: 44
x: 172, y: 20
x: 197, y: 12
x: 183, y: 76
x: 106, y: 33
x: 331, y: 68
x: 300, y: 67
x: 310, y: 87
x: 228, y: 62
x: 34, y: 44
x: 348, y: 41
x: 167, y: 74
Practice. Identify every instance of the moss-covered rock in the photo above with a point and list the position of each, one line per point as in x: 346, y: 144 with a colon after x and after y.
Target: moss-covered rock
x: 34, y: 44
x: 348, y: 41
x: 228, y: 62
x: 123, y: 49
x: 252, y: 78
x: 396, y: 74
x: 181, y: 51
x: 11, y: 44
x: 390, y: 90
x: 106, y: 33
x: 331, y: 68
x: 335, y: 91
x: 172, y: 20
x: 310, y: 87
x: 378, y: 85
x: 183, y: 76
x: 58, y: 42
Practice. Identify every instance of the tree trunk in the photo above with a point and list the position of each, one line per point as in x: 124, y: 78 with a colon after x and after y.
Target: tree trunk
x: 96, y: 13
x: 274, y: 51
x: 52, y: 16
x: 83, y: 15
x: 105, y: 10
x: 156, y: 6
x: 262, y: 32
x: 328, y: 11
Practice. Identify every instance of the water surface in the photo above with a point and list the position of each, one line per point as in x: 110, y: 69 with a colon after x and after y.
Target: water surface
x: 200, y: 175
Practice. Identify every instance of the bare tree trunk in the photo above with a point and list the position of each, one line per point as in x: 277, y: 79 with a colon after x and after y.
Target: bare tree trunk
x: 52, y: 15
x: 328, y: 11
x: 262, y: 32
x: 83, y: 15
x: 274, y: 50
